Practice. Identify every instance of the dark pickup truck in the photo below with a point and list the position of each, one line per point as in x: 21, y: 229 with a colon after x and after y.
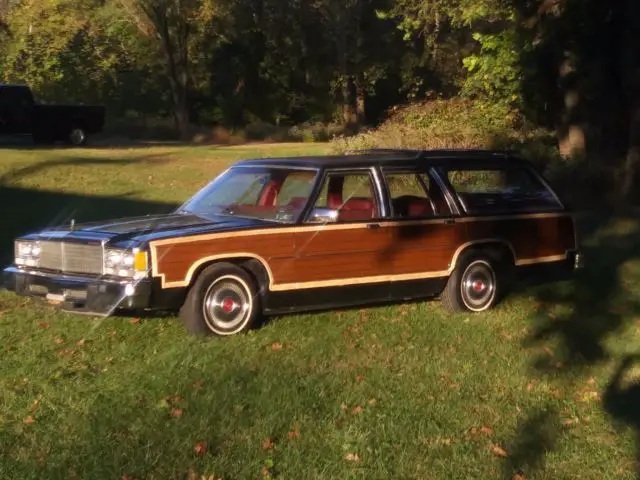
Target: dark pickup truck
x: 20, y: 115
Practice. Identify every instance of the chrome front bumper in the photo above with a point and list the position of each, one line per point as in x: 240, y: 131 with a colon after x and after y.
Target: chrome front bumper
x: 98, y: 295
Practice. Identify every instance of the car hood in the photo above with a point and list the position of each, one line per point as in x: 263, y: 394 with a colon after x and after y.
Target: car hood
x: 137, y: 231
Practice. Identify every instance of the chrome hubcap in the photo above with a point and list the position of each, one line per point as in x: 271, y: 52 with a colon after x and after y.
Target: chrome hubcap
x: 226, y: 306
x: 478, y: 285
x: 77, y: 136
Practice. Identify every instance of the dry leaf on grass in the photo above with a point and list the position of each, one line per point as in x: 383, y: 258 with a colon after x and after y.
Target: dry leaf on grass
x: 357, y: 410
x: 293, y: 434
x: 176, y: 412
x: 351, y: 457
x: 58, y: 341
x: 519, y: 476
x: 29, y: 420
x: 44, y: 325
x: 81, y: 342
x: 134, y: 321
x: 200, y: 448
x: 276, y: 346
x: 498, y: 451
x: 268, y: 444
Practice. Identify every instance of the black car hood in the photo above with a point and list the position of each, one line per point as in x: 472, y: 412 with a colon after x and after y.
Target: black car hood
x: 129, y: 232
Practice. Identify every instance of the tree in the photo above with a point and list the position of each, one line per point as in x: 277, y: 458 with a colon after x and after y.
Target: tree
x: 173, y: 23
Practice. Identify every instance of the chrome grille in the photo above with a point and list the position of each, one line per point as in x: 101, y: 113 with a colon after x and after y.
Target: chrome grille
x: 71, y: 257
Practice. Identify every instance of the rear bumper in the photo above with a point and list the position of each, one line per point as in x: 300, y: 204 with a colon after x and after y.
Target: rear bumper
x: 93, y: 295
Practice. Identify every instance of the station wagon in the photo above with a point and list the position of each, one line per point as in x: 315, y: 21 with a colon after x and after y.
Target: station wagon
x: 278, y: 235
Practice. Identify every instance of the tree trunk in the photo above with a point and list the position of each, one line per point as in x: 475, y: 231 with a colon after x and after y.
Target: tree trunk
x: 361, y: 101
x: 349, y: 114
x: 178, y: 77
x: 632, y: 161
x: 570, y: 130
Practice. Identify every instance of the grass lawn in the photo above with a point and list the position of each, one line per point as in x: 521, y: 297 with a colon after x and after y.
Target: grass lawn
x: 533, y: 390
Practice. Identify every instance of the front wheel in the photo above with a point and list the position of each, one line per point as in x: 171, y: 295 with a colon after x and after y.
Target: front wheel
x: 473, y: 286
x: 223, y: 301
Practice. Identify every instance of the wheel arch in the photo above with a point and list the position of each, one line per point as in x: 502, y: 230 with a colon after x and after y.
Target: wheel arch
x: 254, y: 265
x: 498, y: 249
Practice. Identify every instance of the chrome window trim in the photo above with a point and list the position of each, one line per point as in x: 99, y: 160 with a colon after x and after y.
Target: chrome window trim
x: 451, y: 203
x: 375, y: 182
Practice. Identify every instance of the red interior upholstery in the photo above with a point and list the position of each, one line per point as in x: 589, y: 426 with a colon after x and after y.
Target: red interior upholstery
x: 419, y: 207
x: 334, y: 200
x: 269, y: 194
x: 357, y: 208
x: 297, y: 202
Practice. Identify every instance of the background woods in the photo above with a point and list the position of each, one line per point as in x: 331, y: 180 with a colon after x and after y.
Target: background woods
x: 563, y: 72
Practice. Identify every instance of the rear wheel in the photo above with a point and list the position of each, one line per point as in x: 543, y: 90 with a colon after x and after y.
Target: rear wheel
x: 77, y: 136
x: 473, y: 286
x: 222, y: 301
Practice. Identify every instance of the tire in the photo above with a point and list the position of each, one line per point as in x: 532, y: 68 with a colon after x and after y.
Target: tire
x: 77, y: 136
x: 474, y: 285
x: 222, y: 301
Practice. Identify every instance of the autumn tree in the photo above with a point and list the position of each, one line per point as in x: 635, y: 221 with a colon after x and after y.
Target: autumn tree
x: 173, y: 24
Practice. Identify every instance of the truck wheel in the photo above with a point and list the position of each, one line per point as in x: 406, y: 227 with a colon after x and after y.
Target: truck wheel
x: 77, y: 136
x: 223, y: 301
x: 473, y: 286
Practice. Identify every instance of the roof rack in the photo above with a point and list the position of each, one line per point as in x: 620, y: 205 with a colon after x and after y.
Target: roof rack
x: 435, y: 152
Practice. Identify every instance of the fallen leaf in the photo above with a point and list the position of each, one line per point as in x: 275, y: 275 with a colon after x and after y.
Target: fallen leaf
x: 29, y: 420
x: 591, y: 381
x: 276, y: 346
x: 498, y: 451
x: 58, y: 341
x: 44, y: 325
x: 268, y: 444
x: 200, y: 448
x: 372, y: 401
x: 198, y: 385
x: 176, y: 412
x: 357, y: 410
x: 134, y: 321
x: 293, y: 434
x: 35, y: 405
x: 486, y: 430
x: 343, y: 406
x: 80, y: 342
x: 351, y: 457
x: 529, y: 386
x: 359, y: 378
x: 570, y: 422
x: 192, y: 475
x: 519, y: 476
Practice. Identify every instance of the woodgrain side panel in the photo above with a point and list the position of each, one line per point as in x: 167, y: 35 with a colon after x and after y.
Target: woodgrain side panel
x: 335, y: 255
x: 175, y: 262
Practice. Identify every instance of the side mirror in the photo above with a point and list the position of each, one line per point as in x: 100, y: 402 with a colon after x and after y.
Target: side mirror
x: 323, y: 215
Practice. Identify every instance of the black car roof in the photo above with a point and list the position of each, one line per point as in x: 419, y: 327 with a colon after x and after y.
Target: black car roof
x: 391, y: 158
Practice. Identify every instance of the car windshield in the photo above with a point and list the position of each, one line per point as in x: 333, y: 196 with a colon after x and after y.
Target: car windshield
x: 268, y: 193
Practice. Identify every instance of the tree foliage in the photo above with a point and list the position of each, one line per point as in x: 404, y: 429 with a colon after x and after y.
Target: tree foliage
x: 572, y: 66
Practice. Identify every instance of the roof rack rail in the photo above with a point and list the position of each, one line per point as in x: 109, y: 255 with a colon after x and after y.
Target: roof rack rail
x: 426, y: 152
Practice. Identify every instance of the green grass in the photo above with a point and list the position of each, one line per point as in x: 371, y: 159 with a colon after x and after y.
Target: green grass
x: 404, y: 391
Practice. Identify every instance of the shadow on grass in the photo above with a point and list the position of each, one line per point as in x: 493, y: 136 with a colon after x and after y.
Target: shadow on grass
x: 26, y: 210
x: 577, y: 318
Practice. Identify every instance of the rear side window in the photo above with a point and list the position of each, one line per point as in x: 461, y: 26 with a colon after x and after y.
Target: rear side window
x: 497, y: 190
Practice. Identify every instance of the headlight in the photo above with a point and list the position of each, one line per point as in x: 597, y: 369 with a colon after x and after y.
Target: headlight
x: 27, y: 253
x: 125, y: 263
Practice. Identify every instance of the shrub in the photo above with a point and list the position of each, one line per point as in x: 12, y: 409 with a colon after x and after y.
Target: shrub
x: 454, y: 123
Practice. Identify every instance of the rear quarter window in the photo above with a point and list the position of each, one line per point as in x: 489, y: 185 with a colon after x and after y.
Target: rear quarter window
x: 501, y: 190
